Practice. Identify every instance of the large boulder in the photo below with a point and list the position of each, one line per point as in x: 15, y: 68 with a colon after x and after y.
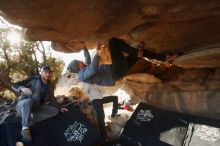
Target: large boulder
x: 164, y: 26
x: 209, y: 58
x: 190, y: 28
x: 191, y: 91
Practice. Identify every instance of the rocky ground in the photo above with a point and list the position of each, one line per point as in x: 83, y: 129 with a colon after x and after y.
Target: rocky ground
x: 7, y: 110
x: 193, y: 91
x: 113, y: 125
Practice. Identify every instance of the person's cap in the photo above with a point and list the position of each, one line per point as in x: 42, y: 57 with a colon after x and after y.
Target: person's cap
x: 73, y: 66
x: 46, y: 68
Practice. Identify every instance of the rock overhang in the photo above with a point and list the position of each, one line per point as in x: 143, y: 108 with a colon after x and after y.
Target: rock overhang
x: 165, y: 26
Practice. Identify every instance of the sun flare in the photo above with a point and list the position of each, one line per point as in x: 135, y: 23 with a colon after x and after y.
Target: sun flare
x: 14, y: 37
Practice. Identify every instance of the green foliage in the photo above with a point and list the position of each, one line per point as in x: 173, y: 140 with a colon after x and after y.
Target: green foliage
x: 19, y: 61
x: 23, y: 62
x: 57, y: 68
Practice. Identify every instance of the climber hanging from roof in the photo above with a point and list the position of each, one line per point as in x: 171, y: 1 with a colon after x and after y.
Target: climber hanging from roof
x: 96, y: 75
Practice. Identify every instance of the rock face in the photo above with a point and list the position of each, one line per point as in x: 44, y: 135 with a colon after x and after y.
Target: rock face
x: 191, y: 91
x: 209, y: 58
x: 165, y: 26
x: 188, y: 27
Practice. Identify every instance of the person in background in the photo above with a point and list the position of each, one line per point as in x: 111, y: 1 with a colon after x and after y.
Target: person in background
x: 36, y: 102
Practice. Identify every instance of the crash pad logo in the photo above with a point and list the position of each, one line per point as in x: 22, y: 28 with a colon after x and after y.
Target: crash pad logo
x: 208, y: 133
x: 75, y: 132
x: 145, y: 115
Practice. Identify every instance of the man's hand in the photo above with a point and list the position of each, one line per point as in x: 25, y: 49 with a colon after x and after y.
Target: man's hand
x: 63, y: 110
x: 26, y: 91
x: 98, y: 47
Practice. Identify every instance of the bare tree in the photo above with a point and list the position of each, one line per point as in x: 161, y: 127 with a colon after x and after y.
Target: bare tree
x: 6, y: 57
x: 20, y: 60
x: 43, y: 52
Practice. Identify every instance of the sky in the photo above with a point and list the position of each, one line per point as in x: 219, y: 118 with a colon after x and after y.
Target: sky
x: 65, y: 57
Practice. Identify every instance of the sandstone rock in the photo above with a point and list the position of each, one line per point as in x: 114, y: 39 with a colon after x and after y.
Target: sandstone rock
x: 209, y: 58
x: 191, y: 91
x: 165, y: 26
x: 69, y: 87
x: 65, y: 82
x: 142, y: 78
x: 195, y: 92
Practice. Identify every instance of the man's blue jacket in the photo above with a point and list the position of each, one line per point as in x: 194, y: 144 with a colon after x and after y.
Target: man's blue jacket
x: 34, y: 84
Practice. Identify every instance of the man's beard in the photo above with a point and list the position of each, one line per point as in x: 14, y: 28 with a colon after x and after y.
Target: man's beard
x: 45, y: 79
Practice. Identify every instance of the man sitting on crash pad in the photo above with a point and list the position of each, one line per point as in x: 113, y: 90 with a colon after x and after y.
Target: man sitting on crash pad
x: 36, y: 102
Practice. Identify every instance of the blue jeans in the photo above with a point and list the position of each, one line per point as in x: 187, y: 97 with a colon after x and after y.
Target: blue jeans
x: 25, y: 109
